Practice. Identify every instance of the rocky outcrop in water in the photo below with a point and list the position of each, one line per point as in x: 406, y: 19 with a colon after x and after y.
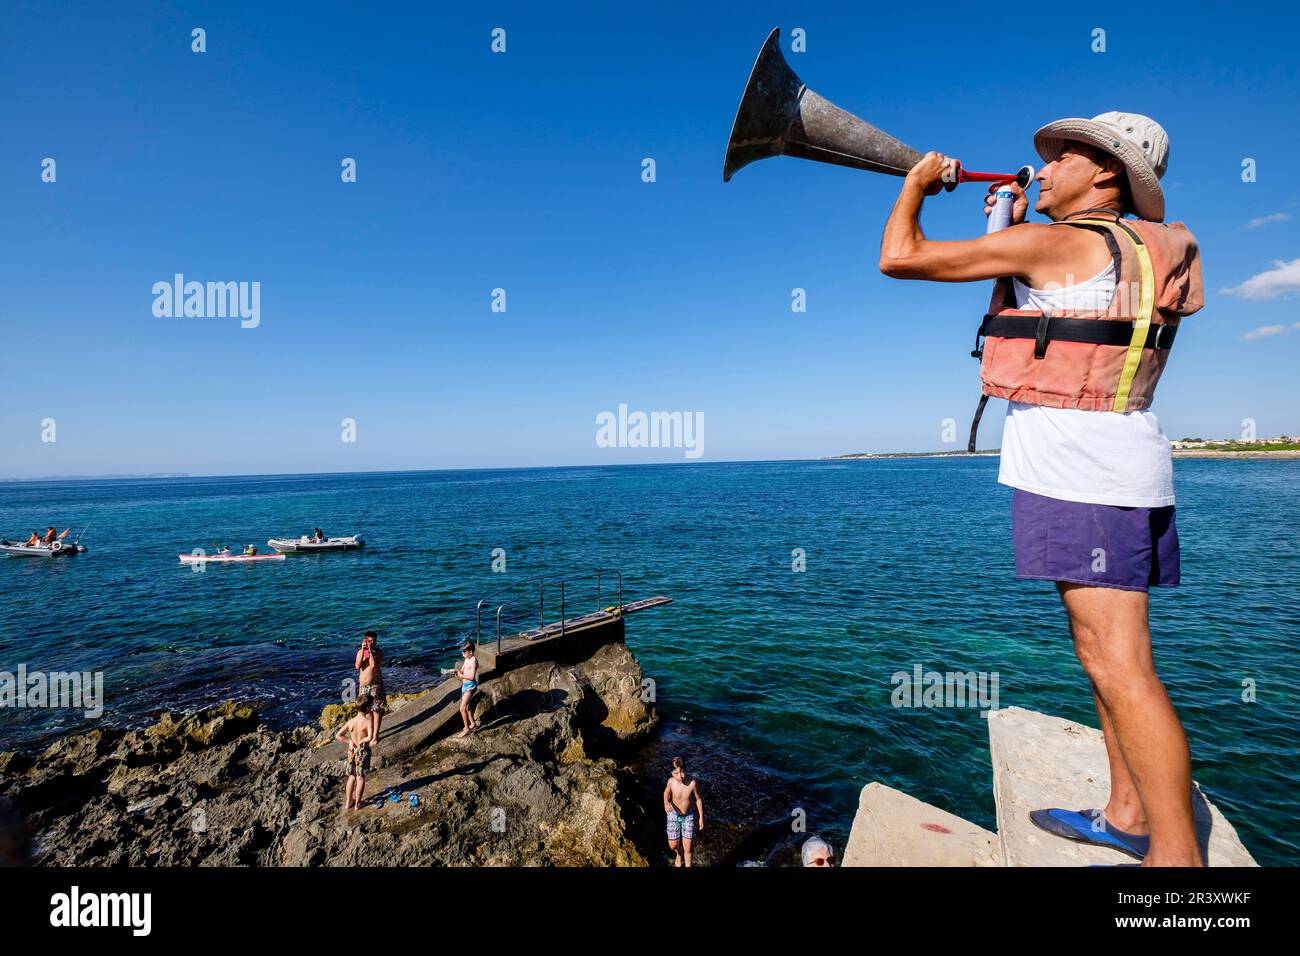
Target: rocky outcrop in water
x: 542, y: 783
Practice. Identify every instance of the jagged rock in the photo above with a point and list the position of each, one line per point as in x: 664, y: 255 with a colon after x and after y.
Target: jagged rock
x: 333, y: 716
x: 617, y: 679
x: 536, y: 786
x: 15, y: 763
x: 206, y: 728
x: 152, y: 803
x: 15, y: 838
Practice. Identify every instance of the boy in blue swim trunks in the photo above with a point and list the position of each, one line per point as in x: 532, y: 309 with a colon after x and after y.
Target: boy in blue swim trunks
x: 681, y: 792
x: 468, y: 674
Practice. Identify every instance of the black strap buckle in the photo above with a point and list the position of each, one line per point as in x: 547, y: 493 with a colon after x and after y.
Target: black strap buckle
x: 1040, y: 337
x: 978, y: 351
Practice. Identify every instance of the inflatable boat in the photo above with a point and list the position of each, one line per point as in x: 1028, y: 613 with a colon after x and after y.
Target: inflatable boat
x: 56, y: 550
x: 306, y: 545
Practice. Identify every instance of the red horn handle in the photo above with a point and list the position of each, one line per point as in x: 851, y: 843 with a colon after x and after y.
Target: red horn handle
x: 1022, y: 177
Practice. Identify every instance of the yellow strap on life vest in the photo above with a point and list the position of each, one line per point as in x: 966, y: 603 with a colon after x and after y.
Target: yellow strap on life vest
x: 1142, y: 321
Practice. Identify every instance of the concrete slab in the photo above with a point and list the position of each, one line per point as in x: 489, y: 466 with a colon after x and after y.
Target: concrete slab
x: 894, y: 829
x: 1042, y: 761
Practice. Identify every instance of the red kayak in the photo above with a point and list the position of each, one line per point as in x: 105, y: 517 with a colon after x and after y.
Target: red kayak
x: 228, y: 558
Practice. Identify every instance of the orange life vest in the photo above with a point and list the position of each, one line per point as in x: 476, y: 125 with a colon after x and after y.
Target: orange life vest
x: 1101, y: 361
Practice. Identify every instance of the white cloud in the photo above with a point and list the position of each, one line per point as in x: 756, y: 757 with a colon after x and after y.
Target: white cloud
x: 1263, y: 332
x: 1282, y: 279
x: 1265, y: 220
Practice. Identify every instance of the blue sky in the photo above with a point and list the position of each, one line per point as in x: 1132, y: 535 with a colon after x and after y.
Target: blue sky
x: 522, y: 171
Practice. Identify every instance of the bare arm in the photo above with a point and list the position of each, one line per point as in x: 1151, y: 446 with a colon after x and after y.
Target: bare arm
x: 905, y: 252
x: 699, y: 802
x: 668, y: 800
x: 357, y: 665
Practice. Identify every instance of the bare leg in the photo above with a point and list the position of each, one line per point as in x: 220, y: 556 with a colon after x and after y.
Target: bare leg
x: 464, y: 715
x: 347, y: 794
x: 1113, y: 643
x: 676, y: 847
x: 686, y: 849
x: 361, y: 790
x: 1124, y: 808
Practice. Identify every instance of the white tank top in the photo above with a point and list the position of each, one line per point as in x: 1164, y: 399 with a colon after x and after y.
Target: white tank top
x: 1103, y: 458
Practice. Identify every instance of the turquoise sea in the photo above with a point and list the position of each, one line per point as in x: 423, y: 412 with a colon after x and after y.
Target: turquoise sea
x: 784, y: 673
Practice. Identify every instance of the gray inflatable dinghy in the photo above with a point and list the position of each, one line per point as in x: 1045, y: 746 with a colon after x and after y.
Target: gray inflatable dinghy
x: 306, y: 545
x: 56, y: 550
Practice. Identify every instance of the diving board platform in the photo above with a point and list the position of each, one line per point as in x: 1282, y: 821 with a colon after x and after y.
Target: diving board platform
x: 596, y: 617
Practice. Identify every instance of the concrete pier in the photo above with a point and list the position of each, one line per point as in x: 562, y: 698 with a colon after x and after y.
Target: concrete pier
x: 1038, y: 761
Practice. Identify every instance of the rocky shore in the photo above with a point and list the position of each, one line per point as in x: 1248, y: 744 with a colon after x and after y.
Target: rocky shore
x: 545, y: 782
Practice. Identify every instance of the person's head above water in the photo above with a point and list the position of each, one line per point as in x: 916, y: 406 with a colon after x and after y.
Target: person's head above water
x: 1114, y: 160
x: 817, y: 852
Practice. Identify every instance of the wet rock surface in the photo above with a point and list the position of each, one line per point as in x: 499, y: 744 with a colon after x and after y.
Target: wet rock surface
x: 544, y: 782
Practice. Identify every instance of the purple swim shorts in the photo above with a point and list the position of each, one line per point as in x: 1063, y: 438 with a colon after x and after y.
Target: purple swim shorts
x: 1100, y: 545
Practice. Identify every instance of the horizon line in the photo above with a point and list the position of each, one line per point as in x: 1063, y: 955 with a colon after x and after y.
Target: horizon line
x: 182, y: 476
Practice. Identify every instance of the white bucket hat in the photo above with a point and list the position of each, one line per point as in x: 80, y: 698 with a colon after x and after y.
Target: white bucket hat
x: 1139, y: 142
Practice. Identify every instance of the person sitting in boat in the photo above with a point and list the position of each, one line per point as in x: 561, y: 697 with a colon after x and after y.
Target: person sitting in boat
x: 222, y: 551
x: 317, y: 536
x: 250, y: 551
x: 34, y: 540
x: 51, y: 535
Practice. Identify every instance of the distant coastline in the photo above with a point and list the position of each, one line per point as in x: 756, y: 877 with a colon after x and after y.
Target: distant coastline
x: 982, y: 453
x: 1278, y: 453
x: 161, y: 474
x: 1283, y: 453
x: 1281, y: 448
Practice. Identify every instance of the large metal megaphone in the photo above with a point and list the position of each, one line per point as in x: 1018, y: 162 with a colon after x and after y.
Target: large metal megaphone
x: 780, y: 116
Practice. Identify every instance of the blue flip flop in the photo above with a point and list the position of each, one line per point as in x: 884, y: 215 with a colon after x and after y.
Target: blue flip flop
x: 1090, y: 826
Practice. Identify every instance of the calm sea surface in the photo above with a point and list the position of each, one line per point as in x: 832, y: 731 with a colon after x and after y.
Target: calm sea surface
x: 907, y: 562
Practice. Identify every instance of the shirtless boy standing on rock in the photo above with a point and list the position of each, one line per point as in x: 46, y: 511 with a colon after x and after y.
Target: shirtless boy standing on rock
x: 357, y: 733
x: 681, y: 792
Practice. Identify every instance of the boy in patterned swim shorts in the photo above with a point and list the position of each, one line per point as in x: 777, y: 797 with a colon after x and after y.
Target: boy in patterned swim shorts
x: 358, y: 734
x: 681, y: 792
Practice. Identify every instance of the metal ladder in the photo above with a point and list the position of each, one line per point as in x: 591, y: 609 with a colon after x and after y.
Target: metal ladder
x: 541, y: 584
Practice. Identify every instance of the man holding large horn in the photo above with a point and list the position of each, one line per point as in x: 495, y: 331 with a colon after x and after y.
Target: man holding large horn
x: 1084, y: 312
